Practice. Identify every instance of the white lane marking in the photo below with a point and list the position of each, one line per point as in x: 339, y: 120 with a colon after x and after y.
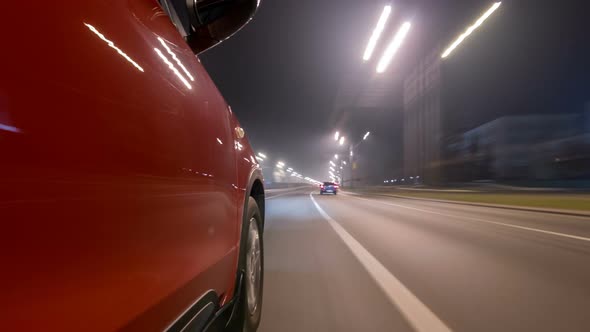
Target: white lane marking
x: 481, y: 220
x: 416, y: 313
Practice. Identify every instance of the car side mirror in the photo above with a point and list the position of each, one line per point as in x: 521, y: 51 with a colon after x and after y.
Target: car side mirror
x: 206, y: 23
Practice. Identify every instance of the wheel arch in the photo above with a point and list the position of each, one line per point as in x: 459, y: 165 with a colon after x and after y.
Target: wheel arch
x: 255, y: 189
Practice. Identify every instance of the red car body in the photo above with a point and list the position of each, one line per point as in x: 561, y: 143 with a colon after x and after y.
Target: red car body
x: 123, y: 172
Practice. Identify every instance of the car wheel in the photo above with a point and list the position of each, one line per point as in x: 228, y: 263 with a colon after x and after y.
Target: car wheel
x: 252, y: 266
x: 321, y: 192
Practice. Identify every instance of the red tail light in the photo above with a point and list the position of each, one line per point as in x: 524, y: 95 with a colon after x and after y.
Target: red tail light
x: 322, y: 186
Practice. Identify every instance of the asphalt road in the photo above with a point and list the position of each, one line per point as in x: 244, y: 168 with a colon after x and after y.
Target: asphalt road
x: 361, y: 263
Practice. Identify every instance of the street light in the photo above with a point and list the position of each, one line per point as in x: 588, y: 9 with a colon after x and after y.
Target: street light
x: 342, y: 139
x: 470, y: 30
x: 332, y: 163
x: 336, y: 136
x: 366, y: 135
x: 377, y: 33
x: 393, y: 47
x: 261, y: 155
x: 336, y: 156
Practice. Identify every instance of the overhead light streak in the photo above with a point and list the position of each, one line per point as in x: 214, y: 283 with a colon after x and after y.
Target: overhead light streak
x: 393, y: 47
x: 471, y: 29
x: 377, y: 33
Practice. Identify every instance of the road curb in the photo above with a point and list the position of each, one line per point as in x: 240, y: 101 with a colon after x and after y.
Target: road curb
x: 497, y: 206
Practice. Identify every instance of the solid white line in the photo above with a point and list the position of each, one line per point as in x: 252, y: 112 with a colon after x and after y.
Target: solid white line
x: 415, y: 312
x: 481, y: 220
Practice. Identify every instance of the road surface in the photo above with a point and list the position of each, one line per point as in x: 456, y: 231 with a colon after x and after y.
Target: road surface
x: 371, y: 263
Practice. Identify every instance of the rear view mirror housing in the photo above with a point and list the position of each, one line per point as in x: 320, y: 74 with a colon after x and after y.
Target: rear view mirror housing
x: 206, y: 23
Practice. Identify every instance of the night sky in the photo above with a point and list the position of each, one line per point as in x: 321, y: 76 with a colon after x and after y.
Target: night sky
x: 281, y: 73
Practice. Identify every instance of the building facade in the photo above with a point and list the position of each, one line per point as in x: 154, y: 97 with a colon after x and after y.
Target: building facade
x: 423, y: 128
x: 527, y: 147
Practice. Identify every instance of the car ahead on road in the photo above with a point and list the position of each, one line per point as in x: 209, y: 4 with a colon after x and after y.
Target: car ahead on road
x: 130, y: 198
x: 329, y: 187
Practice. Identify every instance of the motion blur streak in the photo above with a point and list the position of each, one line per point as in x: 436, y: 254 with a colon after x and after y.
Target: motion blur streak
x: 470, y: 30
x: 377, y: 33
x: 393, y: 47
x: 112, y: 45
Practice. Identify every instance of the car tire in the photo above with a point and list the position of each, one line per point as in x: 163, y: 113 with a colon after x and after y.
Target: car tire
x: 251, y: 265
x: 321, y: 192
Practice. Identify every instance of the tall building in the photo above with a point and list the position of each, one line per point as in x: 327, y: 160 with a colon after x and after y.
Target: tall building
x: 498, y: 71
x: 423, y: 119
